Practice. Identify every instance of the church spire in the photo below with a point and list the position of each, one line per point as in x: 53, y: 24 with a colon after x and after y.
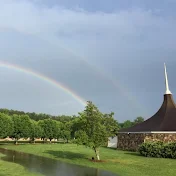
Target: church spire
x: 166, y: 81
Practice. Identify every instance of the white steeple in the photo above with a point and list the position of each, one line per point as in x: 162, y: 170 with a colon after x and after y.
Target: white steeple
x: 166, y: 81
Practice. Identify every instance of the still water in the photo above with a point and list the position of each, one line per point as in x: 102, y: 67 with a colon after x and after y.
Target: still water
x: 50, y: 167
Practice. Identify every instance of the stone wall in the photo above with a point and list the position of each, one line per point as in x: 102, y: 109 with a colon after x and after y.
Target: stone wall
x: 165, y: 137
x: 132, y: 141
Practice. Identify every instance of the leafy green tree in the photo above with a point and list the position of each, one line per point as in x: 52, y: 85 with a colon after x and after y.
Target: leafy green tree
x: 75, y: 126
x: 120, y: 125
x: 36, y: 131
x: 66, y: 135
x: 22, y: 126
x: 41, y: 123
x: 127, y: 124
x: 111, y: 124
x: 138, y: 120
x: 4, y: 110
x: 59, y: 127
x: 63, y: 118
x: 49, y: 128
x: 6, y: 125
x: 66, y: 131
x: 93, y: 132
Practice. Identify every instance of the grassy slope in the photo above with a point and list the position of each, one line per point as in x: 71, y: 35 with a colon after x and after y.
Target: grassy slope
x: 120, y: 162
x: 12, y: 169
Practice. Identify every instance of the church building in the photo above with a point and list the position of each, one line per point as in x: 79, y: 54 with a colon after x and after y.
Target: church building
x: 160, y: 127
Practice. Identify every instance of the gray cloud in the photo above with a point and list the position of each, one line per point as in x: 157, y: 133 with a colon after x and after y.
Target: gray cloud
x: 59, y: 42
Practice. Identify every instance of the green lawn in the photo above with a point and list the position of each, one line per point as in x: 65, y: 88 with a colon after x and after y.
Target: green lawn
x: 12, y: 169
x: 121, y: 162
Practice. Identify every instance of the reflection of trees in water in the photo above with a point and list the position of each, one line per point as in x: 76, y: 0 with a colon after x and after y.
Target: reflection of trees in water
x: 49, y: 166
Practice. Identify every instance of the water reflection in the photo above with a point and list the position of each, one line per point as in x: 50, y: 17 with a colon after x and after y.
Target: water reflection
x: 50, y: 167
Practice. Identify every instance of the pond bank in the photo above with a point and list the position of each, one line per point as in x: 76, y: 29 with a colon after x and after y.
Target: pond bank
x: 13, y: 169
x: 48, y: 167
x: 120, y: 162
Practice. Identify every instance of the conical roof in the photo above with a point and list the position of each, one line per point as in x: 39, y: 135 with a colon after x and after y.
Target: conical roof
x: 163, y: 120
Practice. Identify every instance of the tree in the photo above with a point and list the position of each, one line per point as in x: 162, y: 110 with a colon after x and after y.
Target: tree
x: 36, y: 131
x: 22, y: 126
x: 138, y: 120
x: 4, y: 111
x: 49, y: 128
x: 66, y: 131
x: 75, y: 126
x: 59, y: 127
x: 111, y: 124
x: 63, y: 118
x: 6, y: 125
x: 92, y: 132
x: 127, y: 124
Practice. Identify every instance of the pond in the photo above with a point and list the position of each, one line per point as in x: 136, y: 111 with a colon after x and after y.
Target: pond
x: 50, y: 167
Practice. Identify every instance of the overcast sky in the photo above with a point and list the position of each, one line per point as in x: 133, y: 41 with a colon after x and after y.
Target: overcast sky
x: 110, y: 52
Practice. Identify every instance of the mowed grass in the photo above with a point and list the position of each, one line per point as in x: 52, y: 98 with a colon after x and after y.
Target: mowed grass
x: 122, y: 163
x: 12, y: 169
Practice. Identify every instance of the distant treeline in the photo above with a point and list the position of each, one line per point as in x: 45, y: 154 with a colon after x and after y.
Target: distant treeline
x: 18, y: 124
x: 64, y: 118
x: 128, y: 123
x: 38, y: 116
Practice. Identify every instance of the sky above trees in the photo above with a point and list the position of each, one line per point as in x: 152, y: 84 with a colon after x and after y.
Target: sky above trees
x: 110, y: 52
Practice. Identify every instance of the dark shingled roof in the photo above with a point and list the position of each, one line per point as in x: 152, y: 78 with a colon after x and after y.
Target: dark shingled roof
x: 163, y: 120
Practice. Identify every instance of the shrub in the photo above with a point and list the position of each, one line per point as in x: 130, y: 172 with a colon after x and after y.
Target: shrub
x: 158, y: 149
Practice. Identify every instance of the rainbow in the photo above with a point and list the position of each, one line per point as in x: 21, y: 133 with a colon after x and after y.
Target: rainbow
x: 124, y: 90
x: 44, y: 78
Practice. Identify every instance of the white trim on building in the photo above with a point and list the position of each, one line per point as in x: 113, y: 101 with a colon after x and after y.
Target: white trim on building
x: 149, y: 132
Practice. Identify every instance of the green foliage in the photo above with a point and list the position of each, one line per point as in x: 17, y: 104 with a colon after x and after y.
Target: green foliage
x: 81, y: 138
x: 36, y: 131
x: 158, y: 149
x: 22, y: 126
x: 66, y: 135
x: 128, y: 123
x: 98, y: 126
x: 138, y: 120
x: 94, y: 129
x: 49, y: 128
x: 75, y: 126
x: 111, y: 124
x: 6, y: 125
x: 37, y: 117
x: 65, y: 131
x: 91, y: 123
x: 58, y: 126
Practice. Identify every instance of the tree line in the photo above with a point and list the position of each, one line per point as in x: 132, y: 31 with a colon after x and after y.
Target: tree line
x: 128, y: 123
x: 37, y: 116
x: 64, y: 118
x: 90, y: 128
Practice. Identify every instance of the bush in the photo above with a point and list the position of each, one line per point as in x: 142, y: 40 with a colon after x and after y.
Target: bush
x: 158, y: 149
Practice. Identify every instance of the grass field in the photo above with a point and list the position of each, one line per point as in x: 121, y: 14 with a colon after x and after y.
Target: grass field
x: 12, y: 169
x: 121, y: 162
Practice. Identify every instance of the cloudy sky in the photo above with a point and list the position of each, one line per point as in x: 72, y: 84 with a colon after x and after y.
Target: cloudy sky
x: 108, y: 51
